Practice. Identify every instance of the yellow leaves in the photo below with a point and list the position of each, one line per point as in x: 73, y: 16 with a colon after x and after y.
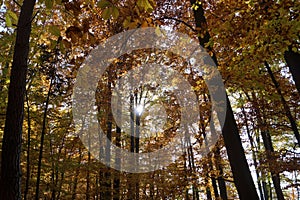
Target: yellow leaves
x: 54, y: 30
x: 145, y: 5
x: 10, y: 18
x: 128, y: 23
x: 49, y: 4
x: 294, y: 49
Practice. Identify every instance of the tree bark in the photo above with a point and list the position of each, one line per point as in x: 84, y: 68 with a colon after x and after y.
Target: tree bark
x: 293, y: 61
x: 10, y: 183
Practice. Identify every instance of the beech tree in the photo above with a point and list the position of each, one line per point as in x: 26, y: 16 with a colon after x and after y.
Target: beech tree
x: 10, y: 182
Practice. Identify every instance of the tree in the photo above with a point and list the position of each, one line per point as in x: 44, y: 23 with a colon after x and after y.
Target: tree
x: 239, y: 166
x: 10, y: 185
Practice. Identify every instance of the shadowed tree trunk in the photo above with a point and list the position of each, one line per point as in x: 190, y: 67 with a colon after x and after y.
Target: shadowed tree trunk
x: 10, y: 183
x: 118, y: 158
x: 28, y: 149
x: 221, y: 182
x: 37, y: 191
x: 239, y: 166
x: 293, y: 61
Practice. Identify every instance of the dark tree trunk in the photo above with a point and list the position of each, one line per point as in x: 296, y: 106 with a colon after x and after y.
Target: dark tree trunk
x: 10, y: 183
x: 293, y: 61
x: 28, y: 149
x: 75, y: 182
x: 118, y: 159
x: 42, y: 141
x: 131, y: 186
x: 221, y: 182
x: 108, y: 192
x: 87, y: 192
x: 239, y: 166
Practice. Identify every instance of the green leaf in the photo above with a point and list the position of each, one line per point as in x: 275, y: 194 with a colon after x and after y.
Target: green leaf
x: 54, y: 30
x: 106, y: 13
x: 115, y: 12
x: 103, y: 4
x: 8, y: 20
x: 12, y: 15
x: 49, y: 4
x: 294, y: 49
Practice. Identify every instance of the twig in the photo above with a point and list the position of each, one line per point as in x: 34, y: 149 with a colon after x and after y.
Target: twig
x: 17, y: 3
x: 178, y: 20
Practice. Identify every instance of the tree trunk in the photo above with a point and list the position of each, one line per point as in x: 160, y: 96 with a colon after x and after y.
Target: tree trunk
x: 239, y: 166
x: 221, y: 182
x: 28, y: 149
x: 107, y: 192
x: 254, y: 157
x: 118, y: 144
x: 267, y: 141
x: 42, y: 141
x: 75, y: 183
x: 10, y: 183
x: 131, y: 186
x: 293, y: 61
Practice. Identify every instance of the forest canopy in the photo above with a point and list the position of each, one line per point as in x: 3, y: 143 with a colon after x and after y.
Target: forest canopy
x: 218, y: 78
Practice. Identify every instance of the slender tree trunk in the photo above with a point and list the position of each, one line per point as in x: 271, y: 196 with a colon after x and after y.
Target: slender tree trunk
x: 42, y: 141
x: 267, y: 141
x: 87, y: 192
x: 118, y: 159
x: 75, y: 182
x: 238, y: 162
x: 108, y: 192
x: 131, y: 188
x: 10, y: 183
x: 221, y: 182
x: 28, y: 148
x: 254, y: 157
x: 293, y: 61
x: 208, y: 192
x: 285, y: 105
x: 137, y: 147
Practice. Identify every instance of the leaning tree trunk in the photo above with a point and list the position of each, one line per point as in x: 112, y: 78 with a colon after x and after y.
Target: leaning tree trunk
x: 239, y: 166
x: 10, y: 183
x: 293, y: 61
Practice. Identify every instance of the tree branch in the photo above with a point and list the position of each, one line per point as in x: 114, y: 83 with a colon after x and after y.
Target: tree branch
x: 178, y: 20
x: 17, y: 3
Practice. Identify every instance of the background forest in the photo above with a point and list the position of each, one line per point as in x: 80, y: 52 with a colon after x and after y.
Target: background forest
x: 256, y: 47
